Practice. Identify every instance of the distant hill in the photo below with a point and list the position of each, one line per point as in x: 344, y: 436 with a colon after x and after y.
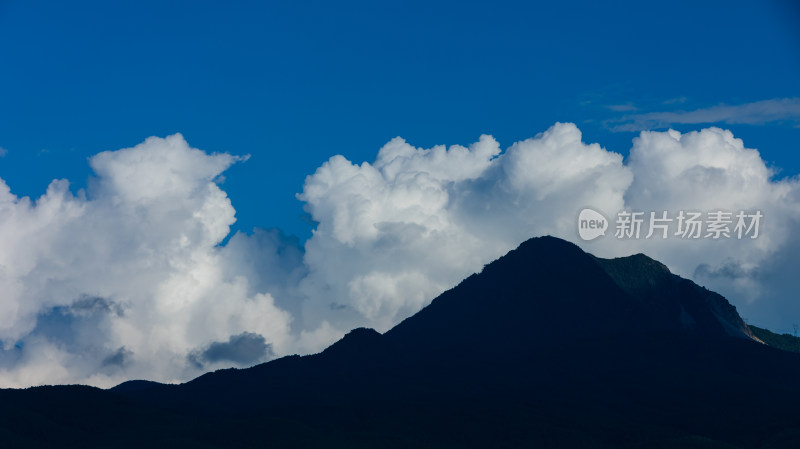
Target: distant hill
x: 547, y: 347
x: 787, y: 342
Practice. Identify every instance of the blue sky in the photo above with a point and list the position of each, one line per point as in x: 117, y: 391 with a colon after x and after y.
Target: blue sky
x: 180, y: 259
x: 293, y: 83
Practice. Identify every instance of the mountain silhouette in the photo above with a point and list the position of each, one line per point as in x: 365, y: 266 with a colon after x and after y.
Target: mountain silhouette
x: 547, y: 346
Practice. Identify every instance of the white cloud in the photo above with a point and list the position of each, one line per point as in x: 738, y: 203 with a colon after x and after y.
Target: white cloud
x: 388, y: 241
x: 755, y: 113
x: 395, y: 233
x: 144, y: 240
x: 706, y: 171
x: 129, y: 281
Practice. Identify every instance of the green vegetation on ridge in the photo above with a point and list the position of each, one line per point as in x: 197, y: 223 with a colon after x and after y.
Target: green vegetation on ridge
x: 787, y: 342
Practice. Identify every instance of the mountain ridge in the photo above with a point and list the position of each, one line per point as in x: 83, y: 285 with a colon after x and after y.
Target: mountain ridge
x: 548, y: 346
x: 646, y: 272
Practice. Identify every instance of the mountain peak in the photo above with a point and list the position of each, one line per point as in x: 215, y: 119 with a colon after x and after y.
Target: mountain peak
x: 547, y: 346
x: 549, y: 290
x: 672, y: 300
x: 546, y: 290
x: 637, y: 274
x: 359, y: 343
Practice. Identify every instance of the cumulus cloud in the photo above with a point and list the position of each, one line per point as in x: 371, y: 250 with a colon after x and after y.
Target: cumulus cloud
x: 394, y: 233
x: 755, y: 113
x: 712, y: 170
x: 129, y: 279
x: 133, y: 263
